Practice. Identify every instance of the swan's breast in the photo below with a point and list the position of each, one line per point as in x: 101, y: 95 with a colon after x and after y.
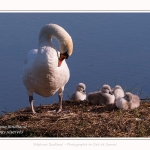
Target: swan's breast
x: 43, y: 76
x: 50, y: 79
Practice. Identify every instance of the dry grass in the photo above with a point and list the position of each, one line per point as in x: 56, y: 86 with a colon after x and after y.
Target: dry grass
x: 78, y: 119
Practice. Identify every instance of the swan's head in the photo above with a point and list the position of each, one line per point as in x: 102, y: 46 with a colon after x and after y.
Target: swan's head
x: 106, y: 89
x: 65, y: 41
x: 66, y: 49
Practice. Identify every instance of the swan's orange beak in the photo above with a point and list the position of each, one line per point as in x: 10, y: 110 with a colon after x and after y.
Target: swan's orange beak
x: 60, y: 60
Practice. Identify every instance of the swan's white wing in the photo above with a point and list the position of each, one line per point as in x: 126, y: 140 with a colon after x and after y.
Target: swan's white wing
x: 27, y: 75
x: 30, y: 56
x: 42, y: 74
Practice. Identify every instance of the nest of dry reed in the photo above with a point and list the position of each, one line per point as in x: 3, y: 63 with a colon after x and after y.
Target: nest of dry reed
x: 78, y: 119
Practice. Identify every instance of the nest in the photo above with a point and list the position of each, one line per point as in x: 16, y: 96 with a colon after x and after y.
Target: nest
x: 78, y: 119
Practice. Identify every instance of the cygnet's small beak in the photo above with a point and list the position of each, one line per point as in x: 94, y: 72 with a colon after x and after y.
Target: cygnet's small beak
x: 84, y: 91
x: 60, y: 60
x: 110, y: 93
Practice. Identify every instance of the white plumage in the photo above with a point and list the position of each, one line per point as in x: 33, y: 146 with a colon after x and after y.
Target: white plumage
x: 45, y: 70
x: 80, y: 93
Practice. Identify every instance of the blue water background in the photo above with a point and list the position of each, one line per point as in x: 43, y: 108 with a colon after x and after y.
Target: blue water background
x: 112, y: 48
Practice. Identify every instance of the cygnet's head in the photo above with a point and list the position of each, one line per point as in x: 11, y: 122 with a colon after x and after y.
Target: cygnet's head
x: 117, y: 87
x: 106, y: 89
x: 81, y: 87
x: 118, y: 91
x: 128, y: 96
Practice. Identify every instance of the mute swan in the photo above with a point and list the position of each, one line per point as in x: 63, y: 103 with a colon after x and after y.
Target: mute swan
x: 45, y: 70
x: 118, y: 92
x: 80, y: 93
x: 102, y: 97
x: 130, y: 101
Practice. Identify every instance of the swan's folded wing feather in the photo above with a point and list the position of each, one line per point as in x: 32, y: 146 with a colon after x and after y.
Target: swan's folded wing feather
x: 30, y: 55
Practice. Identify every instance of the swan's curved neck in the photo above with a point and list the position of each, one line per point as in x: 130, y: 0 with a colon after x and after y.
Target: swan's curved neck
x: 52, y: 30
x: 64, y: 39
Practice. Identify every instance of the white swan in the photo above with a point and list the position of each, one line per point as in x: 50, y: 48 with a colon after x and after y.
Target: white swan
x: 130, y: 101
x: 118, y: 92
x: 80, y: 93
x: 45, y: 70
x: 102, y: 97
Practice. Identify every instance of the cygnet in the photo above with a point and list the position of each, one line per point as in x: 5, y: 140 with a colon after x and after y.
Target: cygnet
x: 129, y: 101
x: 102, y: 97
x: 80, y: 93
x: 118, y: 92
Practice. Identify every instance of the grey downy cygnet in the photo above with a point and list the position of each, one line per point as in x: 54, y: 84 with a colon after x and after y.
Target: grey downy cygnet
x: 129, y: 101
x: 118, y: 92
x: 102, y: 97
x: 80, y: 92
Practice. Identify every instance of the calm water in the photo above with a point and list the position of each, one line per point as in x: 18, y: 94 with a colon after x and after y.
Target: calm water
x: 111, y: 48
